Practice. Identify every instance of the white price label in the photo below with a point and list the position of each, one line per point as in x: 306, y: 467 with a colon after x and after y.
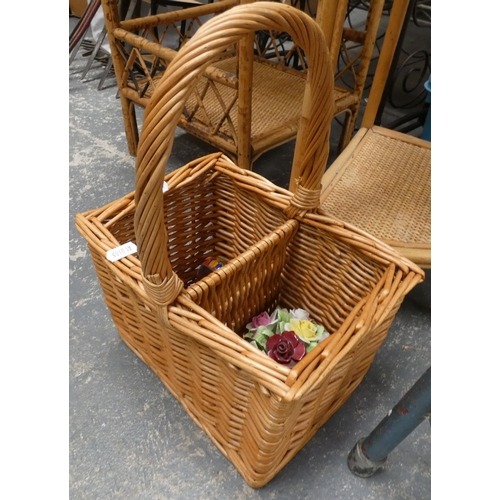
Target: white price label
x: 121, y: 251
x: 165, y: 186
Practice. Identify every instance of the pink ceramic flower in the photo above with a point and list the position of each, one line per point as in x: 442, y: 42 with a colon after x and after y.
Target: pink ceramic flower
x: 263, y: 319
x: 286, y: 348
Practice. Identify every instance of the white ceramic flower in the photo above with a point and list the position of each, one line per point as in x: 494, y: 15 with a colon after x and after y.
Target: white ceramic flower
x: 299, y: 314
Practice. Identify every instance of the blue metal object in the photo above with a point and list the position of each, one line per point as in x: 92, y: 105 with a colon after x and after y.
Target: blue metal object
x: 370, y: 453
x: 426, y: 132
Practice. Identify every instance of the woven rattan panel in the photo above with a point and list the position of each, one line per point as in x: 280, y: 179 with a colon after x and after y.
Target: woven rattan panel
x: 386, y: 190
x: 277, y: 98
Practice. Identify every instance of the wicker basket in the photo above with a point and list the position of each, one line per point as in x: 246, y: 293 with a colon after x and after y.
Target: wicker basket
x: 281, y: 250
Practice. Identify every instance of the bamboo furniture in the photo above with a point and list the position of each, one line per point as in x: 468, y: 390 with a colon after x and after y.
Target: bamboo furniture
x: 280, y: 250
x: 341, y: 38
x: 382, y: 181
x: 249, y: 100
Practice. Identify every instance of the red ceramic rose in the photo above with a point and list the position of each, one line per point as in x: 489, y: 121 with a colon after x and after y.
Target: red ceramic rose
x: 286, y: 348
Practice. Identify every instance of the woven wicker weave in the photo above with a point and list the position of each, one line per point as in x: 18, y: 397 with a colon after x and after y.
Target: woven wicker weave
x: 384, y: 187
x: 272, y: 109
x: 281, y: 251
x: 268, y: 100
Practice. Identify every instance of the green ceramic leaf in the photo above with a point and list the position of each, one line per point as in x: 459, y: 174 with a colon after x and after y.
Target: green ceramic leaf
x: 311, y: 346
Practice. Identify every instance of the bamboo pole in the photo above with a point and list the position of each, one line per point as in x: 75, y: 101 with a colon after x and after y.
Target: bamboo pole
x: 141, y: 23
x: 396, y: 20
x: 373, y: 22
x: 112, y: 20
x: 338, y: 29
x: 245, y: 77
x: 326, y: 16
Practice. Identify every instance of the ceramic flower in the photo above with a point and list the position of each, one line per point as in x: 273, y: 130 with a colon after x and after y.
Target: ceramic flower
x: 286, y: 348
x: 299, y: 314
x: 304, y: 329
x: 263, y: 319
x: 286, y: 335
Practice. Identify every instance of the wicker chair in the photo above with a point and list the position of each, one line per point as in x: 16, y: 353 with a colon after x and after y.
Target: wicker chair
x: 248, y: 101
x: 382, y: 181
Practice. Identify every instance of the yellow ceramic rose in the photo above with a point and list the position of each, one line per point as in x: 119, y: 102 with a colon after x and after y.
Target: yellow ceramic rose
x: 304, y: 329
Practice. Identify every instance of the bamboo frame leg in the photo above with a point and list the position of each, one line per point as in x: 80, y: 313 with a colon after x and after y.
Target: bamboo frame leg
x: 245, y: 63
x: 245, y: 73
x: 396, y: 20
x: 374, y: 16
x: 335, y: 30
x: 130, y: 122
x: 328, y: 16
x: 112, y: 19
x: 347, y: 128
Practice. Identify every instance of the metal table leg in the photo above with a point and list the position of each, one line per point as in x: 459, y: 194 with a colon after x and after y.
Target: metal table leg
x: 370, y: 453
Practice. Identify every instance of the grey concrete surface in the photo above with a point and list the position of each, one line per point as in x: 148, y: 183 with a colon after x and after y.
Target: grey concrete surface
x: 129, y: 438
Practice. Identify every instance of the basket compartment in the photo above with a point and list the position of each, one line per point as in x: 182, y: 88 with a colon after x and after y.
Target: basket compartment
x: 244, y: 413
x: 202, y: 219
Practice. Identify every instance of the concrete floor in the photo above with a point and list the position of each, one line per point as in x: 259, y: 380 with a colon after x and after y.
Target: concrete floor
x: 129, y: 438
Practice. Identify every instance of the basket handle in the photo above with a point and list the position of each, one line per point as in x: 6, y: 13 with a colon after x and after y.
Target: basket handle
x: 167, y: 102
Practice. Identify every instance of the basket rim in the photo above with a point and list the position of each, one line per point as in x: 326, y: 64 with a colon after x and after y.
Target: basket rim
x: 279, y: 197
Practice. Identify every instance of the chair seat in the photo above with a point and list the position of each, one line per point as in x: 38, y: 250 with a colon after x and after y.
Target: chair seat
x: 277, y: 98
x: 381, y: 183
